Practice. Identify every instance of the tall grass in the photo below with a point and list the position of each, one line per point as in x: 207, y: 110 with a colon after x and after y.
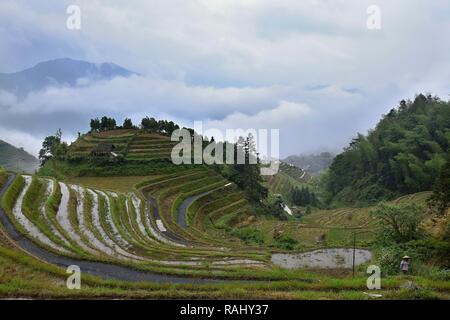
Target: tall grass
x: 11, y: 195
x: 3, y: 176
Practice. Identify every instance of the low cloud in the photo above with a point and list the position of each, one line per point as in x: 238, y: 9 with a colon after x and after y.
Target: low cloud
x: 29, y: 142
x: 256, y: 63
x: 289, y: 108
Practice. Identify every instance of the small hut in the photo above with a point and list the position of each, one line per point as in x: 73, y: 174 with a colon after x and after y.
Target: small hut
x: 103, y: 150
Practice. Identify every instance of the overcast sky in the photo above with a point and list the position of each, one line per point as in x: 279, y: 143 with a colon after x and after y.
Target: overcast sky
x: 310, y: 68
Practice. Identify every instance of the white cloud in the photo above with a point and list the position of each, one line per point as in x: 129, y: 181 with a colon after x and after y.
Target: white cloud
x: 285, y: 113
x: 20, y: 139
x: 231, y: 62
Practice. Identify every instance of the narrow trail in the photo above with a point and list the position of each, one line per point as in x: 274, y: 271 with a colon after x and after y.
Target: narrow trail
x: 182, y: 210
x: 100, y: 269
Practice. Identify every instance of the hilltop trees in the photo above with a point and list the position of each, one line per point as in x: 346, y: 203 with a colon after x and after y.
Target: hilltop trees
x: 161, y: 126
x: 107, y: 124
x: 403, y: 154
x: 103, y: 124
x: 167, y: 126
x: 149, y: 124
x: 127, y: 124
x: 53, y: 147
x: 95, y: 125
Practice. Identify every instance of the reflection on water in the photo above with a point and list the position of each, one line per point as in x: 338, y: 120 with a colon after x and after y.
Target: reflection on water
x: 322, y: 258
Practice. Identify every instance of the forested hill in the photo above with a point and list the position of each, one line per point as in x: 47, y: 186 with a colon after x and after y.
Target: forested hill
x: 403, y: 154
x: 17, y: 159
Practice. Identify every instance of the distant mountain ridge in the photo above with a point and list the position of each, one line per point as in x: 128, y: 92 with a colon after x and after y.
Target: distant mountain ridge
x: 313, y: 163
x: 17, y: 159
x: 58, y: 72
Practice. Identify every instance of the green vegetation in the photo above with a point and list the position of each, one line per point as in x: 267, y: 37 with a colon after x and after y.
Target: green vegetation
x: 3, y: 176
x: 53, y: 147
x: 403, y: 154
x: 440, y: 199
x: 304, y: 197
x: 399, y: 232
x: 11, y: 195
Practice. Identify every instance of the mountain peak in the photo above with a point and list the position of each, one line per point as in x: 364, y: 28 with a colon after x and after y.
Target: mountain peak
x: 58, y: 72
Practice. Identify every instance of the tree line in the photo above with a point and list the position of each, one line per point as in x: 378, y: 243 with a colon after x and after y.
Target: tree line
x: 245, y: 175
x: 303, y: 197
x: 148, y: 123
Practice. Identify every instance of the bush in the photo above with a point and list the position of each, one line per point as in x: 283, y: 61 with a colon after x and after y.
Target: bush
x: 249, y: 235
x: 389, y: 259
x: 285, y: 242
x: 399, y: 222
x: 424, y: 253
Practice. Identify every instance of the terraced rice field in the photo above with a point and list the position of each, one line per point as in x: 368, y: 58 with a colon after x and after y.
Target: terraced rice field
x: 168, y: 229
x: 82, y: 148
x: 134, y: 145
x: 137, y: 228
x: 294, y: 172
x: 149, y: 146
x: 282, y: 183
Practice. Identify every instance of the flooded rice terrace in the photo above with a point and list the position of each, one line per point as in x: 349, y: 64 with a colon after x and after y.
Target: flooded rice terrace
x: 322, y: 258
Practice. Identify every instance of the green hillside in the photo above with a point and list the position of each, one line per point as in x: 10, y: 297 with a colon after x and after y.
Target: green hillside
x: 403, y: 154
x: 17, y: 159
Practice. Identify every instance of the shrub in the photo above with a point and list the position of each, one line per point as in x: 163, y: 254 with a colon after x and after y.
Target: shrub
x: 399, y: 222
x: 285, y: 242
x: 249, y: 235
